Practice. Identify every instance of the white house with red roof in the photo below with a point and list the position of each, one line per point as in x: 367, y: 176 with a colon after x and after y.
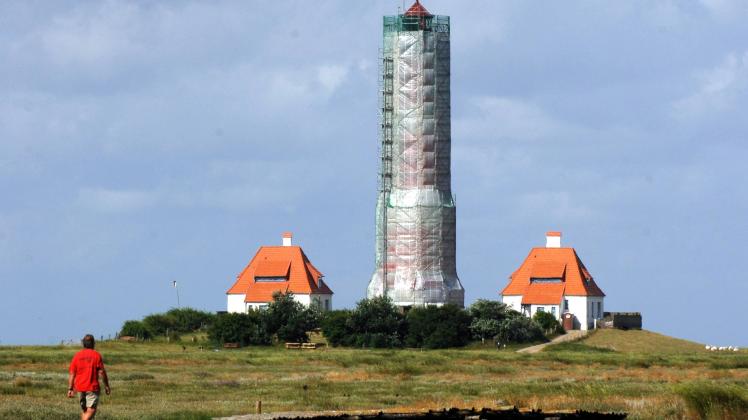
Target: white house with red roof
x: 553, y: 279
x: 273, y: 269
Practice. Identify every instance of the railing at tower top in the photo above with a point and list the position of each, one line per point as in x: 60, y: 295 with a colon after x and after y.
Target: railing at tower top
x: 402, y: 23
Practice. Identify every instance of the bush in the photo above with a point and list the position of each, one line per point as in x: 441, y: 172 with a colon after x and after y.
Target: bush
x: 186, y: 320
x: 288, y: 319
x: 135, y: 329
x: 437, y: 327
x: 336, y: 327
x: 245, y: 329
x: 548, y: 323
x: 519, y: 330
x: 487, y: 316
x: 377, y: 323
x: 159, y: 324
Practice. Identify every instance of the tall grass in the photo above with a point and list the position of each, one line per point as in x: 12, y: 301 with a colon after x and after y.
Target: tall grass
x: 709, y: 401
x: 161, y: 380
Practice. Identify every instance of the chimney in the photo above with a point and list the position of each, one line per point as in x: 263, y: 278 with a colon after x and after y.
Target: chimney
x: 287, y: 238
x: 553, y: 240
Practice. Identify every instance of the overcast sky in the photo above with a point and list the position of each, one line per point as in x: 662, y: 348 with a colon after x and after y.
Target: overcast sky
x: 145, y: 142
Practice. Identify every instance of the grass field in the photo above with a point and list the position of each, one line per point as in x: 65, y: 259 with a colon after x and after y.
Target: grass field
x: 645, y: 374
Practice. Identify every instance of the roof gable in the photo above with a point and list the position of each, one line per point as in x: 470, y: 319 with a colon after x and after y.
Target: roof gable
x: 549, y: 263
x: 301, y: 277
x: 417, y: 9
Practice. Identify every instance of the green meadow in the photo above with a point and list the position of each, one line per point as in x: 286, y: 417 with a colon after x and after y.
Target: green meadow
x: 642, y: 373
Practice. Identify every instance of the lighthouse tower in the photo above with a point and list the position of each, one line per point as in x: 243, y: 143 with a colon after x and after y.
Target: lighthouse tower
x: 415, y: 213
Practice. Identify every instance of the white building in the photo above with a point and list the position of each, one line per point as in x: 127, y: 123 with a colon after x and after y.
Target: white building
x: 278, y: 269
x: 553, y: 279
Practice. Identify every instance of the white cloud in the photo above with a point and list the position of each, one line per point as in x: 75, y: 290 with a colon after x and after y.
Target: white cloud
x: 726, y: 9
x: 719, y: 89
x: 331, y: 76
x: 508, y: 118
x: 664, y: 13
x: 553, y: 206
x: 115, y: 201
x: 89, y: 39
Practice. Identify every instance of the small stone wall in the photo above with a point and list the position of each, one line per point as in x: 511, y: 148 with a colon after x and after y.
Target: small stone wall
x: 621, y: 320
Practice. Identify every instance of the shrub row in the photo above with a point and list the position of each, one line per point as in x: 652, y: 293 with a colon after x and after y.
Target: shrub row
x: 373, y: 323
x: 378, y: 323
x: 171, y: 323
x: 284, y: 320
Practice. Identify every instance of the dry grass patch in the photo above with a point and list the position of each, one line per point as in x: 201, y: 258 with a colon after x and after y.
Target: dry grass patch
x: 640, y: 341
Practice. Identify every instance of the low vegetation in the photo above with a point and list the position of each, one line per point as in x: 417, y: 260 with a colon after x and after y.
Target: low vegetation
x: 374, y: 323
x: 161, y: 380
x: 377, y: 323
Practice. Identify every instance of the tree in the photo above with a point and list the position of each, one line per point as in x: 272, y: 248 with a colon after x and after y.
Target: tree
x: 548, y: 323
x: 335, y: 326
x: 135, y: 329
x: 437, y: 327
x: 288, y: 319
x: 376, y: 322
x: 244, y: 329
x: 485, y: 328
x: 487, y: 318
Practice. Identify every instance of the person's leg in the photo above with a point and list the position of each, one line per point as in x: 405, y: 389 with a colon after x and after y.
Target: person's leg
x: 89, y: 413
x: 92, y: 401
x: 82, y: 401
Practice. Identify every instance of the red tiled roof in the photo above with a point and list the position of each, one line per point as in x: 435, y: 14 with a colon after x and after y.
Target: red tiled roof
x: 301, y: 276
x: 543, y: 294
x: 576, y: 279
x: 553, y: 234
x: 548, y: 270
x: 272, y: 268
x: 417, y: 9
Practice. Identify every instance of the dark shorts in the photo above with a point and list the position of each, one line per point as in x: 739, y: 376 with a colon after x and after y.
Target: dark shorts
x: 88, y: 400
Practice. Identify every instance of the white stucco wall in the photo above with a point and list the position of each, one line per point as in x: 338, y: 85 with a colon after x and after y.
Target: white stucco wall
x: 514, y: 302
x: 578, y: 307
x: 235, y: 303
x: 585, y: 310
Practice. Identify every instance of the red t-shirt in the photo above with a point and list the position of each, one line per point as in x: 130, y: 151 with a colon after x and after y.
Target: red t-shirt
x: 85, y: 366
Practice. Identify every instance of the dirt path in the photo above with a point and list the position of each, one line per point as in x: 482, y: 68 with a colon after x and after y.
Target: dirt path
x: 569, y: 336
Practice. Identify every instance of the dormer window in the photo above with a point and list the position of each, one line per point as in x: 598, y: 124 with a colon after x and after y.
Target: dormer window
x: 272, y: 271
x: 545, y: 280
x: 270, y: 279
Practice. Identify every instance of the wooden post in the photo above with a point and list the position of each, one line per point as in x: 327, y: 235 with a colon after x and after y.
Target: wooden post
x: 258, y: 407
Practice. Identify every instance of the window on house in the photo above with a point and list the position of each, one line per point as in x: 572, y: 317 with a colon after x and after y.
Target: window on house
x: 553, y: 310
x: 566, y: 305
x: 599, y: 309
x: 327, y: 304
x: 270, y: 279
x: 541, y: 309
x: 545, y: 280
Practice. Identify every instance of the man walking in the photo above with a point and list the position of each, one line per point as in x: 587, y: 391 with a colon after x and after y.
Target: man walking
x: 84, y: 377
